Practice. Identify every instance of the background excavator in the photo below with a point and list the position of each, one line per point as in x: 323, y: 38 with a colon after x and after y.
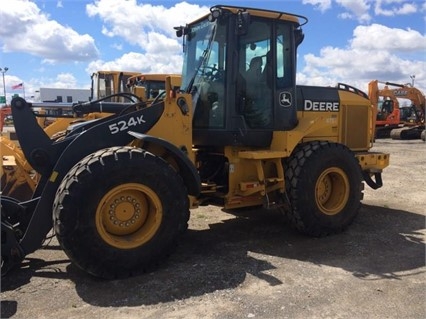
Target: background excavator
x: 118, y: 191
x: 18, y: 178
x: 400, y: 110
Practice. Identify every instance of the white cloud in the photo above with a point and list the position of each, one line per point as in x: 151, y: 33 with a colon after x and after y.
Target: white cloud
x: 357, y: 9
x: 392, y: 8
x: 158, y: 44
x: 63, y: 80
x: 322, y: 5
x: 147, y: 26
x: 380, y: 37
x: 375, y: 52
x: 140, y: 62
x: 407, y: 8
x: 362, y: 10
x: 25, y: 29
x: 117, y: 46
x: 143, y: 24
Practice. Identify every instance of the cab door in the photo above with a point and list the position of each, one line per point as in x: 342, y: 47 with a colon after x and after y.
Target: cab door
x: 265, y: 86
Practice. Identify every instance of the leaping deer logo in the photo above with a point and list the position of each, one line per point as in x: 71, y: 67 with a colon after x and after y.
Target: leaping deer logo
x: 285, y: 99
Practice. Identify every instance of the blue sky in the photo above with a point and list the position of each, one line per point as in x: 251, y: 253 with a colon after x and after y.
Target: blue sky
x: 60, y: 43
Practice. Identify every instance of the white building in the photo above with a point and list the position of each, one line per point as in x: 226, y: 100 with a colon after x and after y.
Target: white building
x: 64, y: 95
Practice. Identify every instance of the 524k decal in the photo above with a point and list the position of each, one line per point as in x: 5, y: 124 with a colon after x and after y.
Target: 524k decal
x: 123, y: 125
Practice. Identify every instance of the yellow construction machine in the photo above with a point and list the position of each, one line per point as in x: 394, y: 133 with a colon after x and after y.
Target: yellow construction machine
x: 5, y: 117
x: 111, y: 85
x: 148, y: 86
x: 234, y: 130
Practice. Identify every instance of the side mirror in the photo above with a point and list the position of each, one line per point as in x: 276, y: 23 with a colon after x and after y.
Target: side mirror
x: 180, y: 31
x: 298, y: 36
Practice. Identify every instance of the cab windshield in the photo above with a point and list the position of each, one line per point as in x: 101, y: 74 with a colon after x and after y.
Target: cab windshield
x: 200, y: 56
x: 203, y: 71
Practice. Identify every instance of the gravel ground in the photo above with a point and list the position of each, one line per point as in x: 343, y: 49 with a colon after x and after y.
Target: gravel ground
x: 250, y: 264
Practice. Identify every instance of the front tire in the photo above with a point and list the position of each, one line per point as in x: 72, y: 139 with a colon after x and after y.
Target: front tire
x: 120, y: 211
x: 324, y: 186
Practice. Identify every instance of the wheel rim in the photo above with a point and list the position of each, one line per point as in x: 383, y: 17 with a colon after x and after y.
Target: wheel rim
x: 129, y: 215
x: 332, y: 191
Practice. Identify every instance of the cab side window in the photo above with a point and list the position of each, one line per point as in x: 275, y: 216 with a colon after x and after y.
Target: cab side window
x: 284, y: 58
x: 255, y: 96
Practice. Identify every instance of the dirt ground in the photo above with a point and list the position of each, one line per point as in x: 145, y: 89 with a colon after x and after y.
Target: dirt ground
x: 250, y: 264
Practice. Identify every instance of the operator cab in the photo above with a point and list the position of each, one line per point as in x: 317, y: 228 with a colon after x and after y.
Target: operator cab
x: 106, y: 83
x: 240, y: 67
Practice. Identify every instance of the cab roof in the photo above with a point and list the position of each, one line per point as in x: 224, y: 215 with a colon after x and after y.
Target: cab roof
x: 269, y: 14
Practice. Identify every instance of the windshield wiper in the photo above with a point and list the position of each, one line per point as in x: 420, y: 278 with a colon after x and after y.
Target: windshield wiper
x: 203, y: 60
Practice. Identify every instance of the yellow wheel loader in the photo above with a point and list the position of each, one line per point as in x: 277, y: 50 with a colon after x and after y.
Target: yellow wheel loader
x: 117, y: 191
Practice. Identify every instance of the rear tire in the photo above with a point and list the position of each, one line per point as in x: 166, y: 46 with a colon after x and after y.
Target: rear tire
x: 324, y: 186
x: 119, y: 212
